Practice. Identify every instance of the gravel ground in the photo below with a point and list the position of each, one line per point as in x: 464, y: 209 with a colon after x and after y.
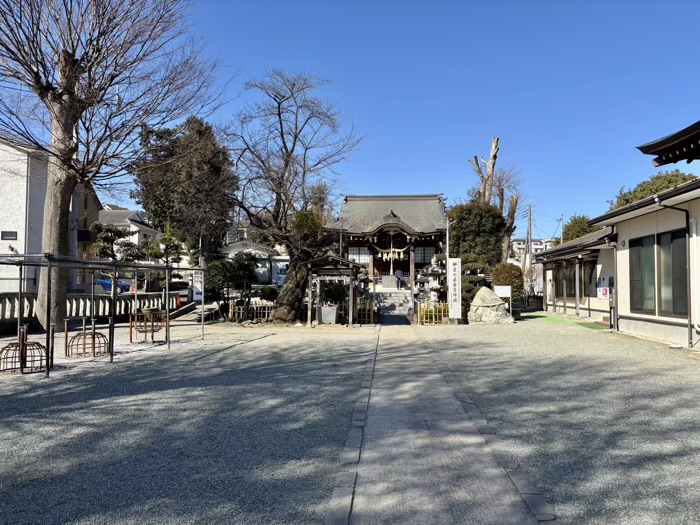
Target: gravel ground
x: 246, y: 427
x: 608, y: 426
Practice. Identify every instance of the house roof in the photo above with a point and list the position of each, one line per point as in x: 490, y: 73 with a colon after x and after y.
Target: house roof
x: 676, y: 195
x: 416, y: 214
x: 681, y: 145
x: 578, y: 246
x: 247, y: 245
x: 124, y: 218
x: 23, y: 147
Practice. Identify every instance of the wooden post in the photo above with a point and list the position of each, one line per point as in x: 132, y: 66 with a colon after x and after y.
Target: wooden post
x: 351, y: 299
x: 131, y: 328
x: 544, y: 287
x: 371, y: 269
x: 310, y: 298
x: 563, y: 282
x: 65, y: 331
x: 577, y: 286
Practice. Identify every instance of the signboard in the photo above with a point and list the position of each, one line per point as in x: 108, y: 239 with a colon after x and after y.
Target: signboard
x: 197, y: 285
x: 603, y: 293
x: 454, y: 287
x: 502, y: 291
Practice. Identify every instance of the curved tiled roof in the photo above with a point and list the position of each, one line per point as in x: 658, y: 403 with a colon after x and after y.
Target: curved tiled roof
x: 416, y: 214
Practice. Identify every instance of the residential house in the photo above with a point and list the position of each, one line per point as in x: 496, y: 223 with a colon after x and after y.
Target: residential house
x: 577, y: 275
x: 272, y: 262
x: 23, y: 177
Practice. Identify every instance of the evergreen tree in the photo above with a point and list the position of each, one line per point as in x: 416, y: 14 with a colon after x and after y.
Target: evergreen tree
x: 664, y: 180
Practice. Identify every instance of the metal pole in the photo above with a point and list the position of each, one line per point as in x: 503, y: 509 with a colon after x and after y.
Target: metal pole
x: 93, y: 338
x: 167, y: 306
x: 202, y: 305
x: 113, y: 314
x: 92, y: 295
x: 561, y: 233
x: 20, y: 306
x: 48, y: 314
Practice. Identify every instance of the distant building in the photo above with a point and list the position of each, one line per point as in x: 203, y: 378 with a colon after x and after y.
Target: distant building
x: 518, y: 246
x: 272, y: 262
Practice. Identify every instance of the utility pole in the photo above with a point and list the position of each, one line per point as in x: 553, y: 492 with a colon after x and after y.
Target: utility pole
x: 561, y: 234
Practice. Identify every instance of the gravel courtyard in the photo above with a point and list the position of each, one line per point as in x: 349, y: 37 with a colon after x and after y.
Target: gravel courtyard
x: 608, y: 426
x: 245, y: 427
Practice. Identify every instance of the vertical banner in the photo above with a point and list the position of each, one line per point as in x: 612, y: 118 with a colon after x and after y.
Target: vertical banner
x: 454, y: 287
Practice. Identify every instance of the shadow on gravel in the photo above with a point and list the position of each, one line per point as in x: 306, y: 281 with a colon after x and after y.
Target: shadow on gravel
x: 226, y: 435
x: 610, y: 436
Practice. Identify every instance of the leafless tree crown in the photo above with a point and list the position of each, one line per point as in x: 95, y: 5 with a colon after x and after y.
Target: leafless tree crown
x: 286, y: 146
x: 89, y: 73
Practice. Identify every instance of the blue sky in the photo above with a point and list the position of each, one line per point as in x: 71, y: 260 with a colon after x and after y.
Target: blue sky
x: 571, y: 88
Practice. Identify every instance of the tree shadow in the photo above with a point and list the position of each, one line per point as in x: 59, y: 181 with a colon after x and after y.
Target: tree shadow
x: 231, y: 434
x: 607, y: 428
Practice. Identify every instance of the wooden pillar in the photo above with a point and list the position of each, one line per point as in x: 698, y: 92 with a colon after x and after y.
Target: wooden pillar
x: 412, y: 258
x: 371, y: 269
x: 544, y: 287
x: 351, y: 301
x: 577, y: 286
x: 310, y: 298
x: 563, y: 287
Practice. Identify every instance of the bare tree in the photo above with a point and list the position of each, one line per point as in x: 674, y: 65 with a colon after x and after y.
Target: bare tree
x: 286, y: 146
x: 78, y: 79
x: 486, y: 170
x: 507, y: 184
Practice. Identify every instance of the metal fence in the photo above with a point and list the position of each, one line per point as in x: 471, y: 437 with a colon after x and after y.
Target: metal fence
x: 432, y: 313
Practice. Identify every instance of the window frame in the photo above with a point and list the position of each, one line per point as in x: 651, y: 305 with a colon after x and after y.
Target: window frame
x: 13, y: 235
x: 632, y: 244
x: 680, y: 233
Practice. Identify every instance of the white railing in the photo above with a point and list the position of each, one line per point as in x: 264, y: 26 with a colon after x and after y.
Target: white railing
x: 80, y: 305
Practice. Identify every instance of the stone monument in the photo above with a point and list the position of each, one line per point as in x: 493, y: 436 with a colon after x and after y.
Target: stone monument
x: 488, y: 308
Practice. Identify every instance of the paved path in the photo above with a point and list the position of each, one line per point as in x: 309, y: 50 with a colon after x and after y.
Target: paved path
x: 423, y: 460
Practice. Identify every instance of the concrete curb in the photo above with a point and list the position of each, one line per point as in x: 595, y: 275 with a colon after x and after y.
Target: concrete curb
x: 340, y: 507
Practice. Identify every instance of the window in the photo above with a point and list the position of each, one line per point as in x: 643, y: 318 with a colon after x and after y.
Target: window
x: 8, y: 236
x: 359, y: 254
x: 642, y: 269
x: 673, y: 276
x: 424, y: 254
x: 589, y: 281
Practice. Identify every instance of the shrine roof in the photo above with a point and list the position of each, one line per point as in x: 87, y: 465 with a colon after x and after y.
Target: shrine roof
x: 415, y: 214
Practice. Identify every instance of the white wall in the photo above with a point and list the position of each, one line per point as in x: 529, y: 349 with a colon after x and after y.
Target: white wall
x: 13, y: 180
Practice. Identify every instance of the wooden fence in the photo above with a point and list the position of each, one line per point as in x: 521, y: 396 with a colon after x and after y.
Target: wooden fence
x: 261, y: 312
x: 432, y: 313
x: 366, y: 312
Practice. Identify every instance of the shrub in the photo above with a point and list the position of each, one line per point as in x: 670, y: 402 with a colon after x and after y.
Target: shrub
x: 269, y: 293
x: 507, y: 274
x: 333, y: 292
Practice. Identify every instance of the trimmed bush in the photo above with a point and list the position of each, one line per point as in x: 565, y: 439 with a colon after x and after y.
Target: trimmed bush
x: 269, y: 293
x: 507, y: 274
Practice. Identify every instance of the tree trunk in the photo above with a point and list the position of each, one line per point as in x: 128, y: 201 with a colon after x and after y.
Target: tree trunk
x: 291, y: 296
x: 56, y: 234
x: 510, y: 226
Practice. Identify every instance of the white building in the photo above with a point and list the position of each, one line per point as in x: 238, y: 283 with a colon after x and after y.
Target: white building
x: 23, y: 178
x: 518, y: 246
x: 272, y: 262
